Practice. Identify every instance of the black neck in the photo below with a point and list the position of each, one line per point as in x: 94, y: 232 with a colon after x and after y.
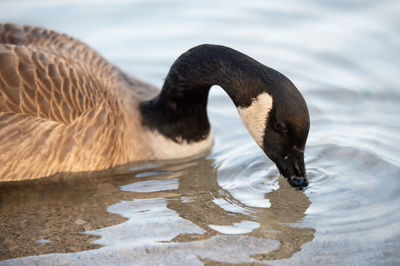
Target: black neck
x: 179, y: 111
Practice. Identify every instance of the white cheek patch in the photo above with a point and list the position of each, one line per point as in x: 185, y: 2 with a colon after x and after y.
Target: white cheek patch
x: 255, y: 116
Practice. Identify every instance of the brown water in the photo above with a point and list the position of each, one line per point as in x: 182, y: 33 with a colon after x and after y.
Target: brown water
x: 230, y: 205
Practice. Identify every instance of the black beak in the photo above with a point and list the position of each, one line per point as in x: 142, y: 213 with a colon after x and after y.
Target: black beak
x: 292, y: 168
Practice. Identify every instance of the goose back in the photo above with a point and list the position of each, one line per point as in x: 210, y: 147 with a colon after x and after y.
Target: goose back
x: 63, y: 107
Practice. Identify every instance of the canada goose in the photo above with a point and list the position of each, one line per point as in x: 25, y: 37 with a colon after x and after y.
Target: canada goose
x: 64, y: 108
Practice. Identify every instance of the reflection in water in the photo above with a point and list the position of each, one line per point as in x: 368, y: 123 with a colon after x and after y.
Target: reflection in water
x: 198, y: 203
x: 44, y: 217
x: 50, y: 216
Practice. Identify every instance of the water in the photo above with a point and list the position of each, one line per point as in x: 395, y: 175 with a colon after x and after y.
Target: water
x: 230, y: 205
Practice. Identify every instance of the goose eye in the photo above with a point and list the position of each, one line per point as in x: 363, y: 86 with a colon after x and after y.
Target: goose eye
x: 281, y: 128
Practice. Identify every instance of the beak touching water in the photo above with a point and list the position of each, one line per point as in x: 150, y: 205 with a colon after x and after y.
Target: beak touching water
x: 292, y: 168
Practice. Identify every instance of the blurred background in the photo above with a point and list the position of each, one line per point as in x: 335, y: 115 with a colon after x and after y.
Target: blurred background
x: 342, y: 55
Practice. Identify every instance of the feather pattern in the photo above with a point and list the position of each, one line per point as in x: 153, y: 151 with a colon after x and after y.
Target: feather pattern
x: 63, y: 108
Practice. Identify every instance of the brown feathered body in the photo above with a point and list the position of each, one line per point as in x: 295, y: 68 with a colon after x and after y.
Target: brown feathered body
x: 64, y: 108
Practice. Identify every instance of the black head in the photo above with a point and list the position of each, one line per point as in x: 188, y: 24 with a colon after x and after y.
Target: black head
x: 276, y: 115
x: 286, y: 132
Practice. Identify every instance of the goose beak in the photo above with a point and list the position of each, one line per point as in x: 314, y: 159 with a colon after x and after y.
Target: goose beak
x: 292, y: 168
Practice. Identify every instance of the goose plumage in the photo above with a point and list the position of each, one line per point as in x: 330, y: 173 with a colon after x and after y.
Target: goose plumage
x: 65, y: 109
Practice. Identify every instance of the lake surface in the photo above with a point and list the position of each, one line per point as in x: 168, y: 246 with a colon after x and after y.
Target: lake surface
x: 230, y: 205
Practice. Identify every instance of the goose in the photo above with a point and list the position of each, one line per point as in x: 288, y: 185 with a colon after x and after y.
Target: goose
x: 65, y: 109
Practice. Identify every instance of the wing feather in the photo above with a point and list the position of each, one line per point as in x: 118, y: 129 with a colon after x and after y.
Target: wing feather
x: 59, y: 105
x: 53, y: 104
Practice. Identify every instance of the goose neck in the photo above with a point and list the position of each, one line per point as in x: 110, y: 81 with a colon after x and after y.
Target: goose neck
x: 179, y: 111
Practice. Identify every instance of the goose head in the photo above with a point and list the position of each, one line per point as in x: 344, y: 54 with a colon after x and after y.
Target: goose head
x: 278, y: 120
